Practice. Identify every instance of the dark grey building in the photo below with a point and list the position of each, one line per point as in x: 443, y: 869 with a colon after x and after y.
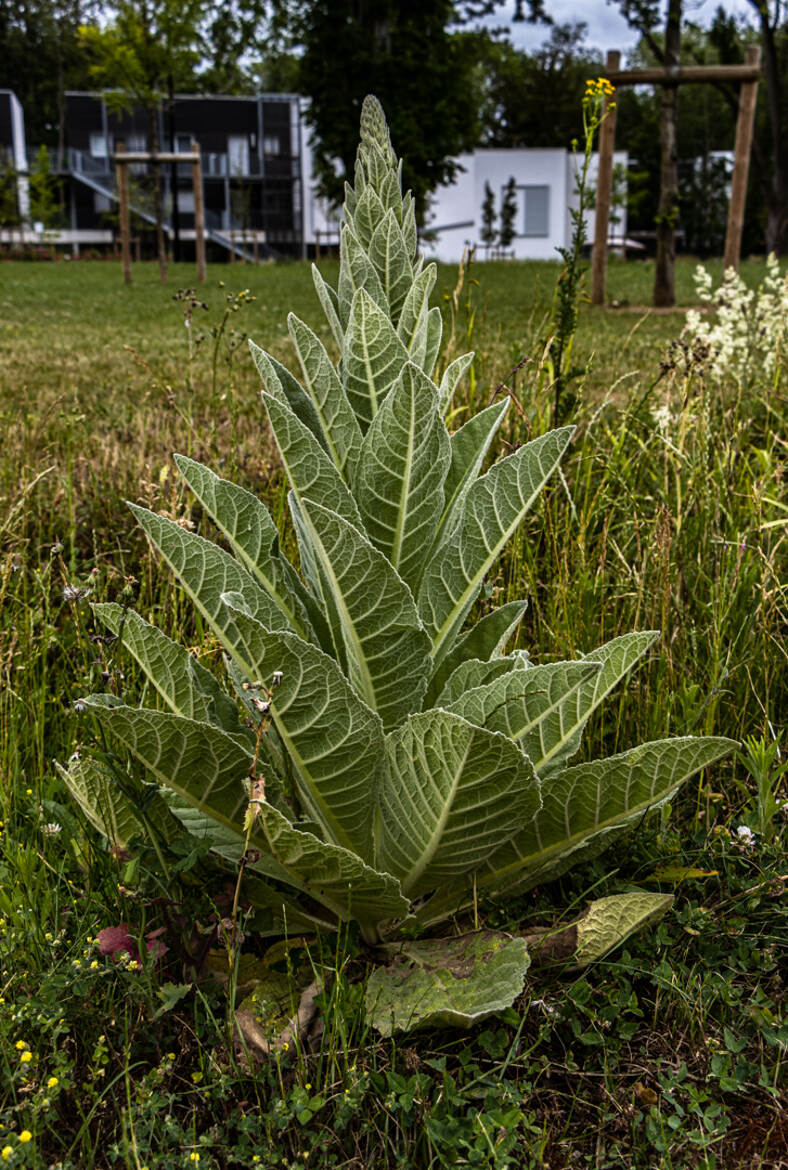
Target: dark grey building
x: 251, y: 160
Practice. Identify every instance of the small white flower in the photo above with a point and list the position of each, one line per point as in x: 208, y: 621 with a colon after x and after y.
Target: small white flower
x: 51, y: 829
x: 745, y: 835
x: 75, y: 592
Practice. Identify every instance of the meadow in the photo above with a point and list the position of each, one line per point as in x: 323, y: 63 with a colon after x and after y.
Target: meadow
x: 669, y: 514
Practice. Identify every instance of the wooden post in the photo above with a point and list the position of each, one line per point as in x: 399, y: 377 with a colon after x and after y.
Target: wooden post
x: 199, y: 212
x: 748, y: 96
x: 604, y: 188
x: 254, y: 246
x: 125, y: 218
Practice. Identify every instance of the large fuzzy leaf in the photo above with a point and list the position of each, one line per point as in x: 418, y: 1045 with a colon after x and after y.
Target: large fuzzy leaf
x: 334, y: 740
x: 412, y: 326
x: 389, y: 253
x: 367, y: 214
x: 372, y: 359
x: 282, y: 385
x: 452, y: 376
x: 434, y: 337
x: 454, y: 793
x: 403, y: 464
x: 330, y: 305
x: 494, y: 507
x: 562, y: 738
x: 206, y: 766
x: 309, y: 469
x: 527, y: 705
x: 475, y: 673
x: 448, y: 982
x: 469, y: 447
x: 106, y: 807
x: 206, y: 572
x: 374, y: 616
x: 485, y: 639
x: 246, y: 523
x: 323, y: 386
x: 356, y: 271
x: 333, y: 876
x: 608, y: 922
x: 286, y: 914
x: 590, y: 800
x: 186, y: 687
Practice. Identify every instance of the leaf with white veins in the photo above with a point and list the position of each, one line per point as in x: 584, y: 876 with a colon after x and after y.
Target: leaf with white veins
x: 399, y: 485
x: 246, y: 523
x: 386, y: 649
x: 373, y: 357
x: 309, y: 469
x: 494, y: 507
x: 455, y: 794
x: 334, y: 740
x: 323, y: 386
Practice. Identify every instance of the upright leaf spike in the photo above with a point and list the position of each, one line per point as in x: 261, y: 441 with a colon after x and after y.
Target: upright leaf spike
x: 406, y: 762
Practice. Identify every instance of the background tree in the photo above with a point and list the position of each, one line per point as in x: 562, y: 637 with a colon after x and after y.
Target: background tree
x: 404, y: 52
x: 148, y: 50
x: 41, y: 56
x: 488, y: 233
x: 10, y: 216
x: 43, y: 192
x: 516, y: 87
x: 772, y: 23
x: 508, y: 214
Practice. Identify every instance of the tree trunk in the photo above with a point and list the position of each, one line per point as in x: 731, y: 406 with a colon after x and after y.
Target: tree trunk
x: 161, y: 246
x: 668, y: 209
x: 776, y: 231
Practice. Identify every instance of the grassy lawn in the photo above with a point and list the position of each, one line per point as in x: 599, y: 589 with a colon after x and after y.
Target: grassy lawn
x: 670, y: 1053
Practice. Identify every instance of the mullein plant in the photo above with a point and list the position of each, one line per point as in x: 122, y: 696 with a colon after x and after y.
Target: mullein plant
x: 377, y: 757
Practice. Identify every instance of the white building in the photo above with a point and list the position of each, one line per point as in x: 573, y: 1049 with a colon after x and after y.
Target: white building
x: 546, y: 185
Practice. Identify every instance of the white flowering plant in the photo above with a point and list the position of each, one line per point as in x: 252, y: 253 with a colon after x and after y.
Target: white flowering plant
x: 748, y: 335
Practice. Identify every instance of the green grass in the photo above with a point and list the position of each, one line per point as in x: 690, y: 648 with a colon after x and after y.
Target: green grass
x: 670, y: 1054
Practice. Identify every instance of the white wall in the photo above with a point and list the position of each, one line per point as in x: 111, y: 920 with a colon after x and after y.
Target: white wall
x: 455, y: 211
x: 455, y: 214
x: 20, y: 155
x: 615, y: 231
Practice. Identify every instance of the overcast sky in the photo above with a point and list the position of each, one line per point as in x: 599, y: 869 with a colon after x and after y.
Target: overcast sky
x: 606, y: 27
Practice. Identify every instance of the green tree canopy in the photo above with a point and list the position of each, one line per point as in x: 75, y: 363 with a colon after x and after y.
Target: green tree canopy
x: 422, y: 70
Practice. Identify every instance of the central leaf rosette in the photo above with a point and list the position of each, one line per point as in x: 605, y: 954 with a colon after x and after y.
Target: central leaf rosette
x: 410, y: 763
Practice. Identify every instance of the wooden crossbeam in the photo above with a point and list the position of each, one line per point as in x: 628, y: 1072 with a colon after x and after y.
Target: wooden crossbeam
x: 122, y: 158
x: 746, y: 76
x: 684, y: 74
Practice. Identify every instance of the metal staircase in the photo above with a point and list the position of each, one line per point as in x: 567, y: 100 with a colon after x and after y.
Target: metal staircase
x: 101, y: 181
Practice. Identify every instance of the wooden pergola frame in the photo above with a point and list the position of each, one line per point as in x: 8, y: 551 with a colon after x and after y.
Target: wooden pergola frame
x: 122, y: 158
x: 747, y: 75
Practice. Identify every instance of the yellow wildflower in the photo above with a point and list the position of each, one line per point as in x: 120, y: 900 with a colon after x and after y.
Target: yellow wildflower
x: 25, y: 1136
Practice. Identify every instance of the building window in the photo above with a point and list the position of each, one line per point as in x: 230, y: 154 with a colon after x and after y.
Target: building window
x: 238, y: 154
x: 272, y: 144
x: 101, y: 203
x: 98, y: 146
x: 536, y: 209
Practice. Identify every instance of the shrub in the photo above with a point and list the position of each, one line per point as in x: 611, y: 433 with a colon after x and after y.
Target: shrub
x: 391, y: 764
